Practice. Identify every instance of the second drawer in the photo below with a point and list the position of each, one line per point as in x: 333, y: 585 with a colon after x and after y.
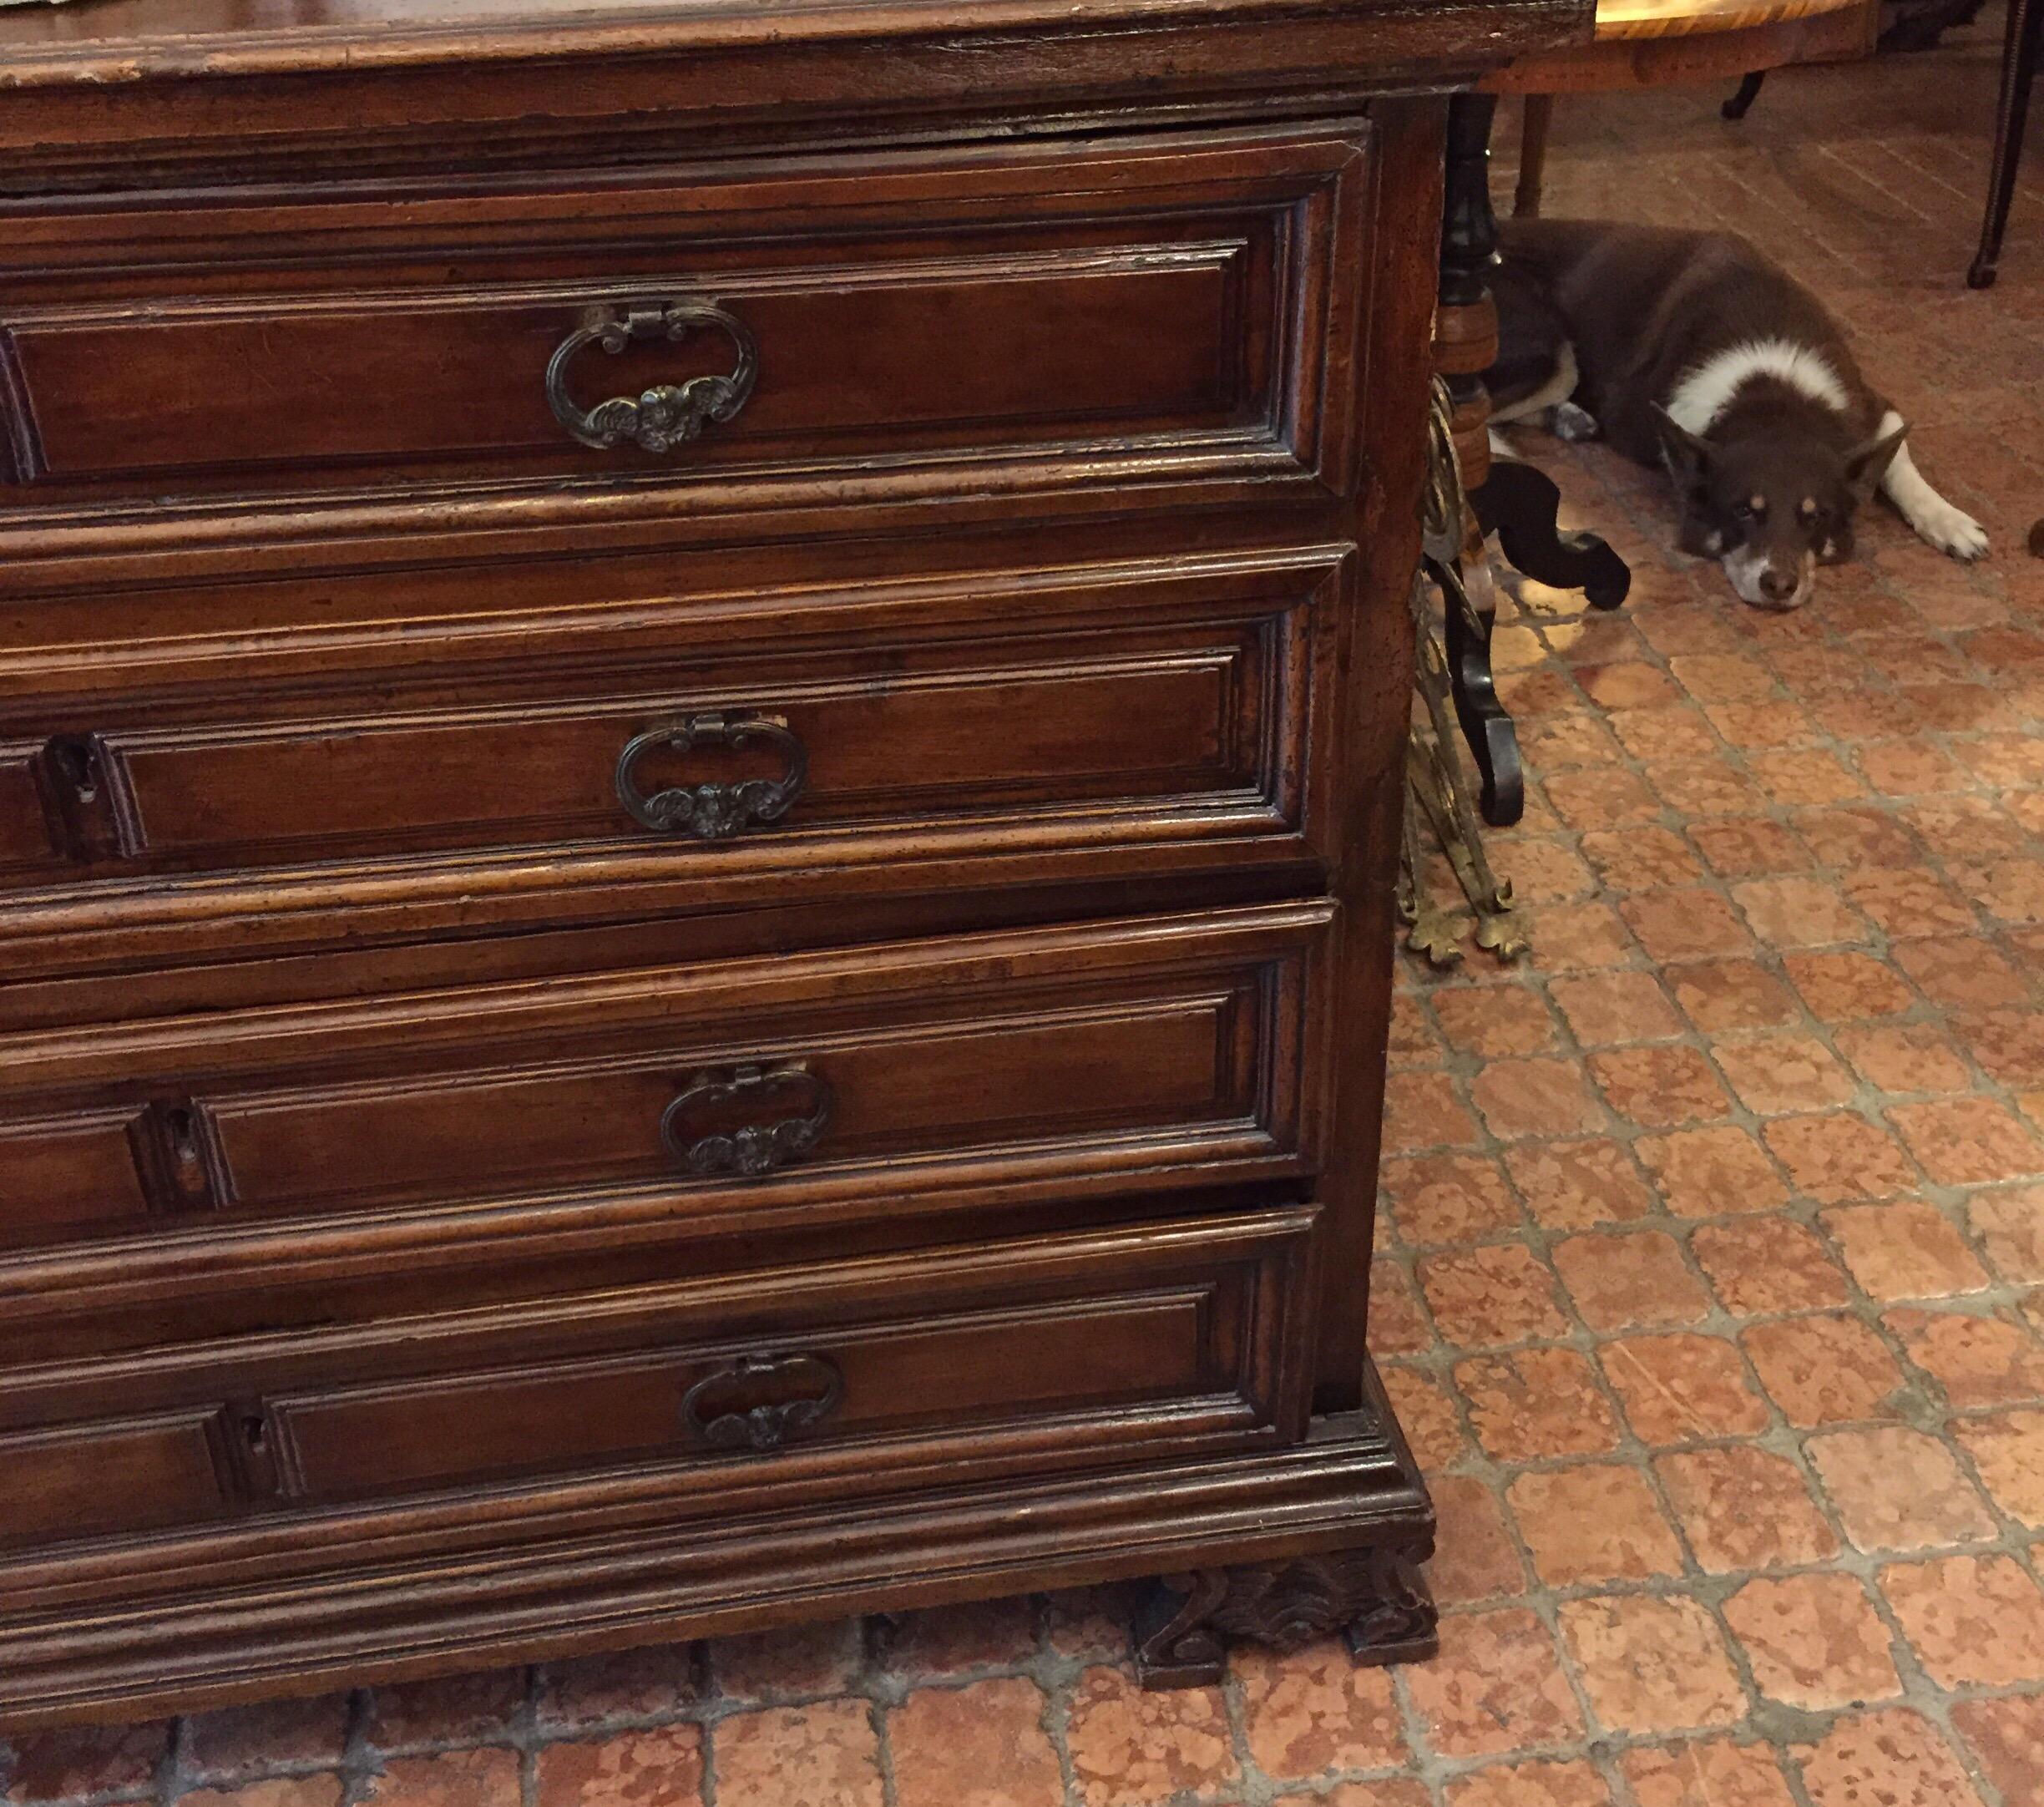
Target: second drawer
x: 759, y: 746
x: 850, y: 1083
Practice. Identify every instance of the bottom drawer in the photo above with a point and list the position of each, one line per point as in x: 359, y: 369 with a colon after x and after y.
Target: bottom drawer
x: 1025, y: 1354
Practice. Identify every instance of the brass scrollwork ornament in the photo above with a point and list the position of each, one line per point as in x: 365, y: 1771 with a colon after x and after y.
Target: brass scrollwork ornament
x: 1434, y: 786
x: 668, y: 414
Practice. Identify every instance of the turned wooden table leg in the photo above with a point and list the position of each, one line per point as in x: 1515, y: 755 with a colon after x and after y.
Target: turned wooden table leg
x: 1519, y: 503
x: 1465, y: 341
x: 1532, y: 156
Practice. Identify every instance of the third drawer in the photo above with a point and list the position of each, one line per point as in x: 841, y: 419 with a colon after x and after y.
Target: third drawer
x: 849, y: 1085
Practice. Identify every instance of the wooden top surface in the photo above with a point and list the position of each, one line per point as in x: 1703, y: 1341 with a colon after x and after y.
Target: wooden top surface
x: 126, y: 41
x: 1618, y: 19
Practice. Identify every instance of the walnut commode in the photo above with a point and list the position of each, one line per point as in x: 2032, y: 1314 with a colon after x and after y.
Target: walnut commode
x: 701, y: 739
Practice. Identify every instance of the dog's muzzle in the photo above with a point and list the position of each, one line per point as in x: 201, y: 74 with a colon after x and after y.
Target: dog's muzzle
x: 1759, y: 580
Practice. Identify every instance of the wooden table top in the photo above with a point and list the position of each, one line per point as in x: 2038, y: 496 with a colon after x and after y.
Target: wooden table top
x: 1679, y: 19
x: 122, y: 42
x: 1650, y: 43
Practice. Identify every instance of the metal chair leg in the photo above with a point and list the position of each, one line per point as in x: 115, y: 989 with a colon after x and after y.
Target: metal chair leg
x: 2025, y: 26
x: 1740, y: 104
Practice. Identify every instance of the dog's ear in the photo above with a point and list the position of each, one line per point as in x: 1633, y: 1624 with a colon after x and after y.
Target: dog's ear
x: 1688, y: 456
x: 1865, y: 467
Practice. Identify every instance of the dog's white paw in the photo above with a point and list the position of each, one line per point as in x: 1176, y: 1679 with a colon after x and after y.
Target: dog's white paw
x: 1574, y: 424
x: 1952, y: 530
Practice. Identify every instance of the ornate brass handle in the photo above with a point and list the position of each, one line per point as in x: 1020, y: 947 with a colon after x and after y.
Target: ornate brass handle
x: 756, y: 1148
x: 666, y: 415
x: 716, y: 1409
x: 713, y: 811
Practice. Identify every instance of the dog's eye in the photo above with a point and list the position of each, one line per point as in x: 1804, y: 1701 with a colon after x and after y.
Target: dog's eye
x: 1752, y: 508
x: 1808, y: 511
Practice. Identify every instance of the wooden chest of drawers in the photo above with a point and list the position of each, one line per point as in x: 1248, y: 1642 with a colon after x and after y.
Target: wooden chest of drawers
x: 700, y: 725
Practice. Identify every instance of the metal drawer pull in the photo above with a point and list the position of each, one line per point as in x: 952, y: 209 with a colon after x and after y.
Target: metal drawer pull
x: 667, y: 414
x: 724, y: 1411
x: 755, y: 1148
x: 713, y: 811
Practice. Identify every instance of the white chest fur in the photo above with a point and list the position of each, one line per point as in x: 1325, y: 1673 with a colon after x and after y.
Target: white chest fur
x: 1704, y: 393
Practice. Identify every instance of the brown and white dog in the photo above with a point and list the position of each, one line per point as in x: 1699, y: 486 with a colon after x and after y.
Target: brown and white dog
x: 1692, y: 350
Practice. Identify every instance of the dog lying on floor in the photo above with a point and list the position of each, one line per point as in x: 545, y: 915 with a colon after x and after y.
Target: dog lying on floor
x: 1692, y: 350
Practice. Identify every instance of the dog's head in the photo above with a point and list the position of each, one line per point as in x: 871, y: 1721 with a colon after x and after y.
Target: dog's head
x: 1772, y: 506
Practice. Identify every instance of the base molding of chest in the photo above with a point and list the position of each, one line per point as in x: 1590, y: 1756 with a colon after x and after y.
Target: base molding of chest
x: 1347, y: 1503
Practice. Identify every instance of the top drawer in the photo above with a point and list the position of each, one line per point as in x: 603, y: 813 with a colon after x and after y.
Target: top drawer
x: 932, y: 323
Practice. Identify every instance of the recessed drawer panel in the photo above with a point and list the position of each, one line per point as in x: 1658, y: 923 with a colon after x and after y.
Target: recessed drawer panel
x: 642, y: 766
x: 1048, y: 1351
x: 144, y: 1475
x: 902, y: 323
x: 24, y: 833
x: 352, y: 1443
x: 78, y: 1168
x: 845, y: 1084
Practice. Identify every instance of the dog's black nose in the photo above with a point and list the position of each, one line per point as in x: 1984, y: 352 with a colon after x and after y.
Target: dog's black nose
x: 1775, y: 586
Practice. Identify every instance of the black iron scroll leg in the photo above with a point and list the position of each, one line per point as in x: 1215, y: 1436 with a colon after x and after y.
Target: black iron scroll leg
x: 1521, y: 505
x: 1486, y: 723
x: 1513, y: 501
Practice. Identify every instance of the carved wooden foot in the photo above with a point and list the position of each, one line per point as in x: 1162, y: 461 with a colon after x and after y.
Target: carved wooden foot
x: 1520, y: 504
x: 1376, y: 1597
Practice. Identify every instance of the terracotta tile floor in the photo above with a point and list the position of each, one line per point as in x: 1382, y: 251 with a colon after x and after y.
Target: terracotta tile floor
x: 1718, y: 1316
